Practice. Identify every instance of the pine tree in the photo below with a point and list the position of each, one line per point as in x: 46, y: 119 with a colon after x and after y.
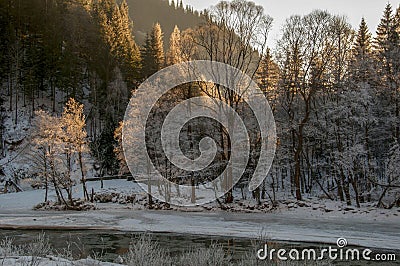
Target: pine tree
x: 174, y: 54
x: 103, y: 12
x: 397, y: 20
x: 157, y: 43
x: 116, y: 29
x: 363, y: 40
x: 125, y: 48
x: 396, y: 67
x: 388, y: 50
x: 268, y: 73
x: 153, y: 52
x: 385, y: 36
x: 362, y: 62
x: 359, y: 96
x: 148, y: 65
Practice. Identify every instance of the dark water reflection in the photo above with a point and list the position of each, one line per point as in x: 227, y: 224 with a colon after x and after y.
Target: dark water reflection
x: 112, y: 244
x: 107, y: 246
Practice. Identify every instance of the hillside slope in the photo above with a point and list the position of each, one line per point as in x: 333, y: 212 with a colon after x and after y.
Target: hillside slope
x: 145, y: 13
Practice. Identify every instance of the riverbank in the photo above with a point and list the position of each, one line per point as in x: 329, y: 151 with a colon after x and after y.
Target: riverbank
x: 321, y: 222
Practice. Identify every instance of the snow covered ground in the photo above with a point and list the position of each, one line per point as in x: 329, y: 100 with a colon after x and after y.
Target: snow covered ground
x: 51, y: 261
x: 321, y: 222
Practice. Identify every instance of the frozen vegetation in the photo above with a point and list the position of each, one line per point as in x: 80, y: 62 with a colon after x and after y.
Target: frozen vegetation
x: 334, y: 92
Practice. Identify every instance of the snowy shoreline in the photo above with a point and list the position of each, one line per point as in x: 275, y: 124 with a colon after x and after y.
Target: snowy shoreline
x: 285, y: 227
x: 318, y: 222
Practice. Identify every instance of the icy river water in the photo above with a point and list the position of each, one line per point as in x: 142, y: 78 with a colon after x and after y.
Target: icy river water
x: 109, y: 229
x: 107, y: 246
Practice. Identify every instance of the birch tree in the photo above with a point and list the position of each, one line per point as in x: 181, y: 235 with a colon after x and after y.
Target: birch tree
x: 73, y: 121
x: 47, y: 133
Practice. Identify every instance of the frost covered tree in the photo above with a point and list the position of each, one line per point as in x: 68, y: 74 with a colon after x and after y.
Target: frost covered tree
x: 60, y: 143
x: 387, y: 49
x: 47, y: 139
x: 74, y: 137
x: 174, y: 54
x: 392, y: 183
x: 304, y: 54
x: 362, y: 83
x: 188, y: 45
x: 235, y: 33
x: 127, y: 154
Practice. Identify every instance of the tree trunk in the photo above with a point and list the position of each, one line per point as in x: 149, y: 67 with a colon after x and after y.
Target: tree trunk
x: 193, y: 194
x: 354, y: 185
x: 345, y: 186
x: 46, y: 179
x: 229, y: 176
x: 368, y: 182
x: 150, y: 197
x: 380, y: 204
x: 256, y: 195
x: 263, y: 187
x: 16, y: 102
x: 297, y: 170
x: 339, y: 189
x: 53, y: 94
x: 54, y: 181
x: 299, y: 147
x: 10, y: 91
x: 189, y: 135
x: 83, y: 179
x: 69, y: 193
x: 397, y: 117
